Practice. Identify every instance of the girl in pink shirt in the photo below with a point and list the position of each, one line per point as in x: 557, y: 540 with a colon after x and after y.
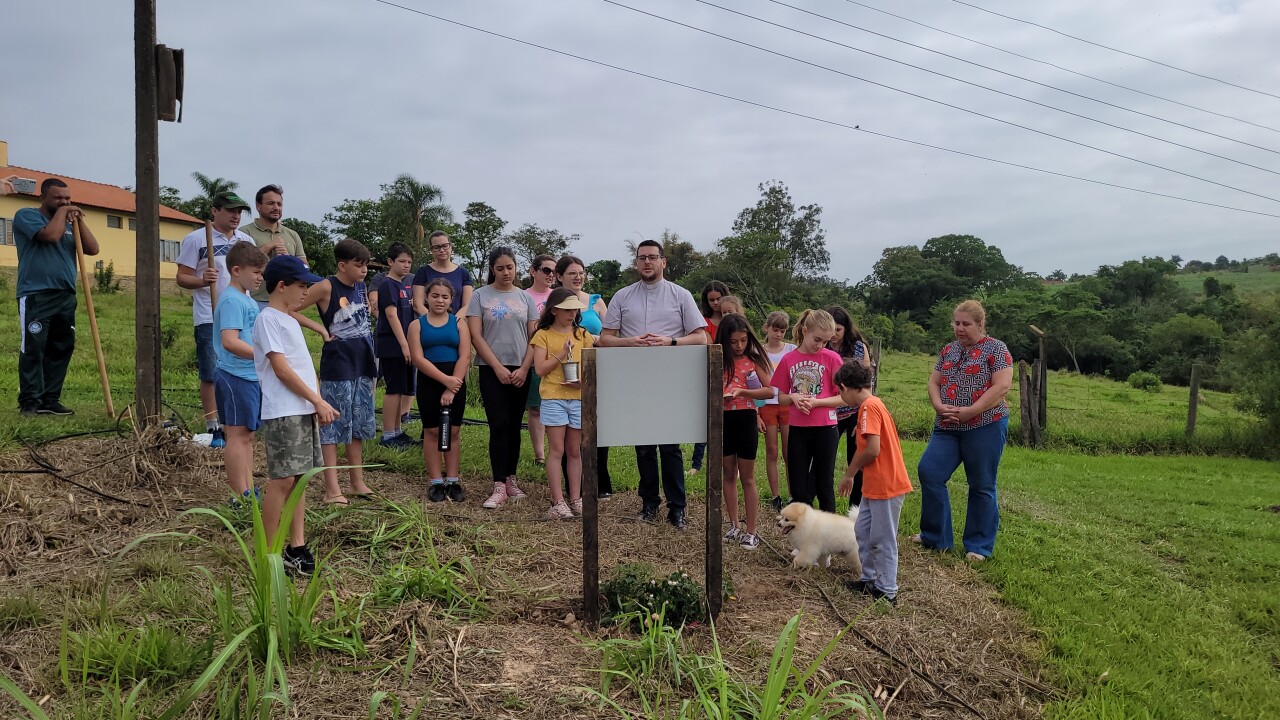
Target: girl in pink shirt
x: 746, y: 370
x: 805, y: 382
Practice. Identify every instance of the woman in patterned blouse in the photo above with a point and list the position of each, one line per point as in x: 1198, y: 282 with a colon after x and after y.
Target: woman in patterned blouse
x: 967, y: 389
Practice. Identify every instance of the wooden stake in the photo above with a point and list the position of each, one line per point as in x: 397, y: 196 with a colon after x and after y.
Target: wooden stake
x: 1024, y: 403
x: 208, y: 245
x: 93, y: 320
x: 590, y: 495
x: 715, y: 476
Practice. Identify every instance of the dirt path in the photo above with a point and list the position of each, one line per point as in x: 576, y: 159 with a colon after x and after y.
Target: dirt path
x: 526, y: 659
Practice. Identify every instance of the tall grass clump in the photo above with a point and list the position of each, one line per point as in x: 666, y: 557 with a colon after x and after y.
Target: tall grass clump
x: 671, y: 680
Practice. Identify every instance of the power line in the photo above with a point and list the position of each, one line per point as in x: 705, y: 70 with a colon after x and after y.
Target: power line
x: 1063, y: 68
x: 1118, y: 50
x: 813, y: 118
x: 938, y: 102
x: 984, y: 87
x: 1020, y: 77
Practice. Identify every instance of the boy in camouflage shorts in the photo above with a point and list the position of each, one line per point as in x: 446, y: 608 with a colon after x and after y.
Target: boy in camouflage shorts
x: 292, y: 409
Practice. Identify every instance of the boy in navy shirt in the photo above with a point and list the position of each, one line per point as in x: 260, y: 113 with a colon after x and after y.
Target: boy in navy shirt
x: 395, y: 311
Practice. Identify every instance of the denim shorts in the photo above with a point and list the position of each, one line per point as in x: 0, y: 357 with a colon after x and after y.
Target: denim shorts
x: 239, y: 401
x: 206, y: 361
x: 558, y: 413
x: 353, y: 399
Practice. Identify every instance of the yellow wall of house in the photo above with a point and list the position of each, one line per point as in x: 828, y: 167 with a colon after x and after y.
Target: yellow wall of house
x: 118, y: 244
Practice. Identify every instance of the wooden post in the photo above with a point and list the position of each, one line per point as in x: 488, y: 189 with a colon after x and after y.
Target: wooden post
x: 147, y: 351
x: 875, y: 367
x: 715, y: 476
x: 1042, y: 381
x: 590, y: 495
x: 208, y: 244
x: 1024, y: 402
x: 1194, y: 399
x: 93, y: 321
x: 1033, y: 404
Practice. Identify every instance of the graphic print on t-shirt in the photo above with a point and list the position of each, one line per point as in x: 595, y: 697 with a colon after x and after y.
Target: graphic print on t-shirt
x: 351, y: 320
x: 806, y: 377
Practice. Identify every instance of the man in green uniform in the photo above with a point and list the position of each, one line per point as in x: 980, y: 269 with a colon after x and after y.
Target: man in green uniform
x: 47, y: 296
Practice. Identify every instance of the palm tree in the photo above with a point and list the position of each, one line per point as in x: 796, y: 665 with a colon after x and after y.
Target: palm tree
x: 201, y: 205
x: 414, y: 206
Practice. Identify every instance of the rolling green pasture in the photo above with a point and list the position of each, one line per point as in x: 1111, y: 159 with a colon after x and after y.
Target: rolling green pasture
x: 1250, y: 283
x: 1151, y: 579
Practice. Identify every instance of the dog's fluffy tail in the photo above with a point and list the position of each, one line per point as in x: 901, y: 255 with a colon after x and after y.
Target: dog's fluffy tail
x: 853, y: 512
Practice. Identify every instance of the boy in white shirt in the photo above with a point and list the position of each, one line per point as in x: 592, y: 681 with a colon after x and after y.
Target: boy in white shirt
x: 292, y: 409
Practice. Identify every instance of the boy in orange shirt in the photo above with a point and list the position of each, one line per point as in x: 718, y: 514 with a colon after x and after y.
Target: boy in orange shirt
x: 884, y: 484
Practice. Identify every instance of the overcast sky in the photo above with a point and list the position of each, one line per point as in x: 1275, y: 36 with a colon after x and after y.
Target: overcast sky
x: 330, y: 98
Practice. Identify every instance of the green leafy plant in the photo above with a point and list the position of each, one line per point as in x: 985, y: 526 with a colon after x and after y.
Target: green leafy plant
x: 633, y: 592
x: 104, y: 281
x: 1145, y: 381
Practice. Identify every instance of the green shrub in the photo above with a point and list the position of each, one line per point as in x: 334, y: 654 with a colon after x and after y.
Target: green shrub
x: 104, y: 281
x: 1145, y: 381
x: 150, y: 652
x: 20, y: 611
x: 633, y: 589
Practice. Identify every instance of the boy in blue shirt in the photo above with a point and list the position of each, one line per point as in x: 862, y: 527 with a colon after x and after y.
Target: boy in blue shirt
x: 235, y: 381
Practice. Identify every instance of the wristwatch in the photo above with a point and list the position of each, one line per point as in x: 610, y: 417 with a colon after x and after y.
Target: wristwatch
x: 673, y: 342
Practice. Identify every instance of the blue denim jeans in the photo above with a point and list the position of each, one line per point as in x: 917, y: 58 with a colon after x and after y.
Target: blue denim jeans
x: 980, y: 450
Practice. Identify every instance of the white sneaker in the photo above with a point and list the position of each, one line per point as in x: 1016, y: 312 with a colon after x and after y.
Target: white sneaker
x: 513, y: 491
x: 732, y: 534
x: 498, y: 497
x: 576, y: 506
x: 749, y: 541
x: 560, y: 511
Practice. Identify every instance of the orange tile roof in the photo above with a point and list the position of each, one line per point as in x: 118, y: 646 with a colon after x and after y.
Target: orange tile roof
x: 100, y: 195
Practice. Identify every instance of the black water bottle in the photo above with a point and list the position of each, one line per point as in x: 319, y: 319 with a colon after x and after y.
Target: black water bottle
x: 446, y: 429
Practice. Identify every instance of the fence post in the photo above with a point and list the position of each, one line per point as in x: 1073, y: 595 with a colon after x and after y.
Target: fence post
x: 1024, y: 402
x: 1194, y: 400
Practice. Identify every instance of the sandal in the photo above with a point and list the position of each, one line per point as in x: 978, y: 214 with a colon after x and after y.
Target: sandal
x: 539, y: 461
x: 337, y: 500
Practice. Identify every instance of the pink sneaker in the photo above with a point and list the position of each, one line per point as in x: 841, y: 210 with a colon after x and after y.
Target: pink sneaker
x: 576, y: 506
x: 560, y: 511
x: 498, y: 497
x: 513, y: 491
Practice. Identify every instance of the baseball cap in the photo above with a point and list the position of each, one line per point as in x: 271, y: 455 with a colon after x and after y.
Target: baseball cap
x: 229, y: 201
x: 287, y: 267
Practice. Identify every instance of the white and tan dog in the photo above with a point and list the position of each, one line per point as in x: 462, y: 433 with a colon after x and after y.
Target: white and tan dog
x: 816, y: 535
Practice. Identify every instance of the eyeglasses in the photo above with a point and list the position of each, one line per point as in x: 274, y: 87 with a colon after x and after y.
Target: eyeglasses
x: 546, y: 270
x: 445, y: 246
x: 576, y: 274
x: 648, y: 258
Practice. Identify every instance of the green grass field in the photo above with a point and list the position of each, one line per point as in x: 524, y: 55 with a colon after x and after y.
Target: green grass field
x: 1250, y: 283
x: 1151, y: 579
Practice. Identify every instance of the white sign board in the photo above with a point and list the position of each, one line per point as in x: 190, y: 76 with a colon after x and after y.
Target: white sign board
x: 651, y: 395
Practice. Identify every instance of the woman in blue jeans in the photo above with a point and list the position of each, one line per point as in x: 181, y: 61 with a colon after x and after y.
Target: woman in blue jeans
x: 967, y: 389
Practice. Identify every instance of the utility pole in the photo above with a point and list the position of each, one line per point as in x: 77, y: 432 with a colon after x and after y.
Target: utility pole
x: 147, y: 184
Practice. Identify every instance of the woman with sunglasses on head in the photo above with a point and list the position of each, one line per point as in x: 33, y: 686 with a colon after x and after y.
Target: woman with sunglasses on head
x: 572, y: 274
x: 442, y: 266
x: 543, y: 274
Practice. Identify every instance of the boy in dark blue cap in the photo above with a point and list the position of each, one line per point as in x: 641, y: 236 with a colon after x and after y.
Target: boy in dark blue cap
x: 292, y: 409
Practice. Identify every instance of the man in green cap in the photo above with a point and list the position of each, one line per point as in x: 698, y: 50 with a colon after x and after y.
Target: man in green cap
x: 272, y: 236
x: 196, y: 272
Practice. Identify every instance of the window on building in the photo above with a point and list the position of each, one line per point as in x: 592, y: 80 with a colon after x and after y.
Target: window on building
x: 5, y: 237
x: 115, y: 221
x: 169, y: 250
x: 133, y: 224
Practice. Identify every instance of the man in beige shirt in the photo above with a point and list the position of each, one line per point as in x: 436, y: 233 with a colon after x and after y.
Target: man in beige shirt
x: 273, y: 237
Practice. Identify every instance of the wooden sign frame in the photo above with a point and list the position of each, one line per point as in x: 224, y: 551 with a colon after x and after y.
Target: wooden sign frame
x: 714, y: 569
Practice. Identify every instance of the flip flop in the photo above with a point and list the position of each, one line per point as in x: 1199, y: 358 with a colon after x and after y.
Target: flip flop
x: 363, y: 496
x: 337, y: 500
x: 539, y: 461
